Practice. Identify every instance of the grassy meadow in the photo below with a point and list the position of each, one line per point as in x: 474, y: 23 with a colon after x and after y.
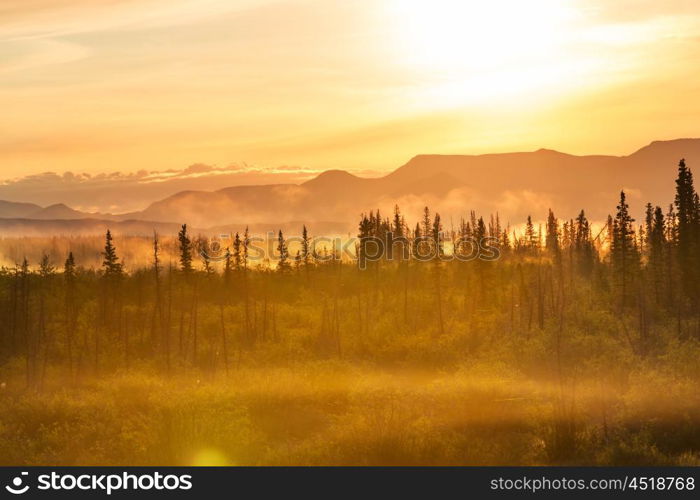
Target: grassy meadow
x: 514, y: 411
x: 345, y: 370
x: 556, y: 346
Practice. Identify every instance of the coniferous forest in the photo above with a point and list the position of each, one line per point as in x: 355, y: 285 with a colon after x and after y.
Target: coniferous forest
x: 561, y: 342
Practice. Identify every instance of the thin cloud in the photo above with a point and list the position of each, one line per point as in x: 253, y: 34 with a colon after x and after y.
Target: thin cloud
x: 25, y: 20
x: 119, y: 192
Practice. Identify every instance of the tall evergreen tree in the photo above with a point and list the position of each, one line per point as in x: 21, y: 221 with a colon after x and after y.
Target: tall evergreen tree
x: 417, y: 241
x: 156, y: 258
x: 70, y: 305
x: 283, y: 262
x: 228, y: 265
x: 480, y: 230
x: 685, y: 205
x: 69, y: 268
x: 648, y: 226
x: 582, y: 243
x: 365, y: 232
x: 625, y: 258
x: 656, y: 250
x: 504, y: 240
x: 305, y: 246
x: 185, y: 250
x: 436, y: 236
x: 110, y: 264
x: 237, y: 252
x: 552, y: 237
x: 531, y: 238
x: 688, y: 229
x: 397, y: 224
x: 426, y: 228
x: 46, y: 269
x: 245, y: 248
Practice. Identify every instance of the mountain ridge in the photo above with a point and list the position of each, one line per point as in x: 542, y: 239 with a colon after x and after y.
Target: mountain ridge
x: 514, y: 184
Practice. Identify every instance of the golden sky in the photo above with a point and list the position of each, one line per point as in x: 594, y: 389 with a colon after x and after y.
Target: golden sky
x: 125, y: 85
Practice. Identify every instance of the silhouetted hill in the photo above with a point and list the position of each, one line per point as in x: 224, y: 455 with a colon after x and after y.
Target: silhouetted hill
x: 57, y: 211
x: 659, y: 150
x: 513, y: 184
x: 333, y: 178
x: 14, y: 209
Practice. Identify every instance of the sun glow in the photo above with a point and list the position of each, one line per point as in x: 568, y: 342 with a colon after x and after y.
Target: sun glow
x: 102, y: 86
x: 486, y: 49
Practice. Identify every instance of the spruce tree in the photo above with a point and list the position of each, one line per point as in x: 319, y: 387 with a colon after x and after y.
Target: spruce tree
x: 202, y: 246
x: 582, y: 244
x: 245, y: 247
x: 70, y: 305
x: 365, y: 232
x: 625, y: 258
x: 283, y: 263
x: 656, y: 250
x: 237, y: 255
x: 426, y: 228
x: 688, y: 230
x: 417, y: 241
x: 228, y: 265
x: 531, y: 238
x: 110, y: 264
x: 436, y: 236
x: 46, y: 269
x: 156, y: 258
x: 397, y: 225
x: 69, y: 268
x: 185, y: 250
x: 648, y: 226
x: 552, y: 238
x: 504, y: 240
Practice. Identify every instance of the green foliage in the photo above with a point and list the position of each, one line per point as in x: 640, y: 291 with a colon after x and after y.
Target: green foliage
x: 539, y: 357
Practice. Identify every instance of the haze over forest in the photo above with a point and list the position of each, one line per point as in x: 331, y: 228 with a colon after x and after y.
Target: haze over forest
x: 486, y: 239
x: 514, y: 185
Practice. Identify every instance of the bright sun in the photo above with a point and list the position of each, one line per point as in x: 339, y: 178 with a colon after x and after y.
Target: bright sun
x: 482, y: 49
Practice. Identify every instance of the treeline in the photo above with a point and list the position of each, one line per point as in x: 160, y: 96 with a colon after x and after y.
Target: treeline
x: 662, y: 251
x: 428, y: 282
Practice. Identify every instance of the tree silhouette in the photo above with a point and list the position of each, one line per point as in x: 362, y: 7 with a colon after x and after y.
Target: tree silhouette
x: 625, y: 257
x: 532, y: 242
x: 283, y: 263
x: 305, y: 247
x: 110, y: 264
x: 688, y: 232
x: 582, y: 244
x: 552, y: 238
x: 185, y: 250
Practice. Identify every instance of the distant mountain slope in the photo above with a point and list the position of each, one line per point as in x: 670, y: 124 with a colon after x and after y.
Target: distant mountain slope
x: 512, y: 184
x: 14, y: 209
x: 58, y: 211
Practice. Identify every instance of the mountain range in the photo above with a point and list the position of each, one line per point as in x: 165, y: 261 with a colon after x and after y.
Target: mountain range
x: 513, y: 184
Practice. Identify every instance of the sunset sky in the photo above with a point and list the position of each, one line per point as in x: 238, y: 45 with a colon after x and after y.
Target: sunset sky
x: 127, y: 85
